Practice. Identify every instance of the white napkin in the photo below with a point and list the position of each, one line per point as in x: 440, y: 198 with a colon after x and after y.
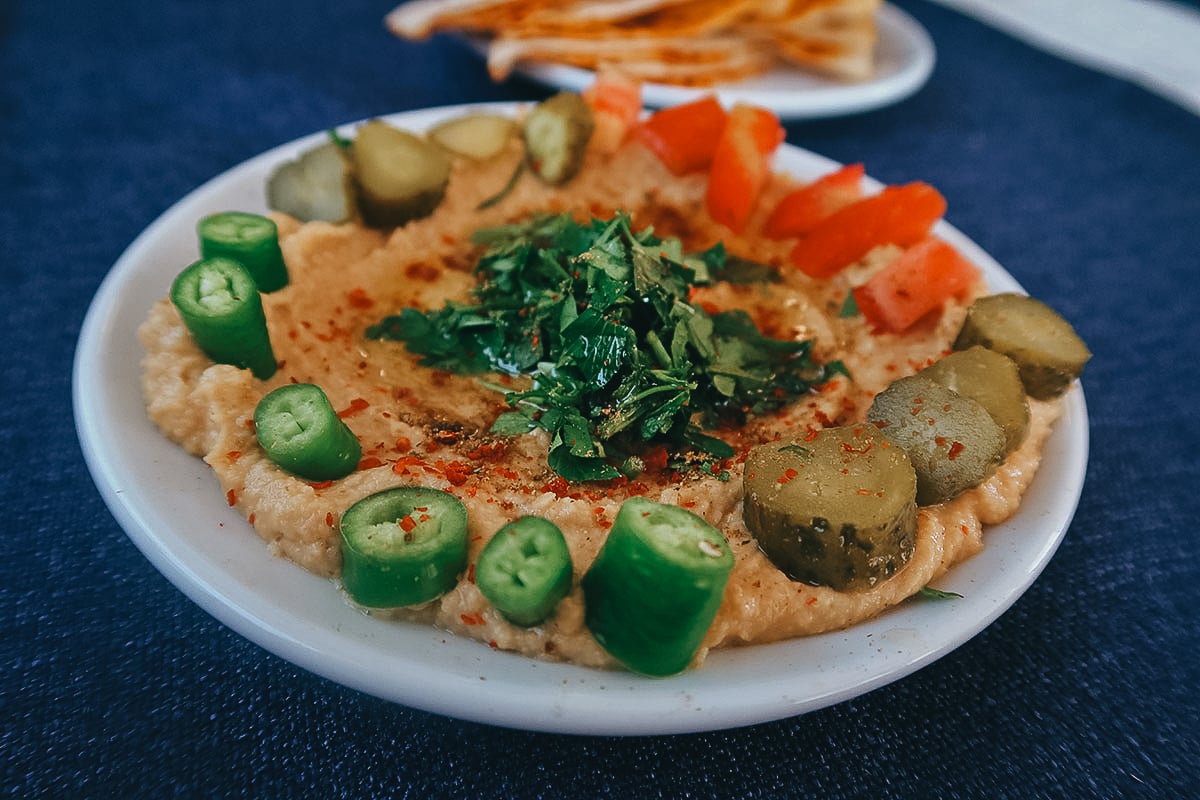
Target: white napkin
x: 1155, y: 43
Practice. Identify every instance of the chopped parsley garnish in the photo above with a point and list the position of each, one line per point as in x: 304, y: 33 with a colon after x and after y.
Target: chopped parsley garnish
x: 598, y: 316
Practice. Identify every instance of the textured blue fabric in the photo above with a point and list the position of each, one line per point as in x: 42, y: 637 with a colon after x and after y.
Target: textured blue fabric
x: 113, y: 684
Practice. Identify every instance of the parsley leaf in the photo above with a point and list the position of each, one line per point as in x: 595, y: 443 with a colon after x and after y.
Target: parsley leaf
x: 597, y: 315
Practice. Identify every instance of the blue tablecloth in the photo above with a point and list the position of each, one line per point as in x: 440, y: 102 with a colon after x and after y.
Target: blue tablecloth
x: 113, y: 684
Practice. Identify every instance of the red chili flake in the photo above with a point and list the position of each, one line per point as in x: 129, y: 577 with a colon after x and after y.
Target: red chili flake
x: 864, y: 492
x: 812, y: 601
x: 470, y: 573
x: 474, y: 618
x: 823, y: 418
x: 356, y: 405
x: 233, y: 455
x: 456, y: 472
x: 788, y: 474
x: 329, y: 518
x: 370, y: 462
x: 359, y: 299
x: 401, y: 465
x: 558, y: 485
x: 407, y: 523
x: 849, y: 448
x: 493, y: 644
x: 487, y: 452
x: 251, y: 518
x: 231, y: 497
x: 956, y: 450
x: 505, y: 472
x: 319, y: 485
x: 965, y: 530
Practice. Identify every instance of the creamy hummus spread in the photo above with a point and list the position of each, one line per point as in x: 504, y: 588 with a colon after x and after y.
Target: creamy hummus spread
x: 424, y: 427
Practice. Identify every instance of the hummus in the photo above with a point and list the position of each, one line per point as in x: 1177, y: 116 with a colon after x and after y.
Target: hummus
x: 424, y: 427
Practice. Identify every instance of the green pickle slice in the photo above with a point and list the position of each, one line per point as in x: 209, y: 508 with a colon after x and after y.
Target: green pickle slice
x: 656, y: 585
x: 400, y: 176
x: 952, y: 441
x: 991, y: 379
x: 836, y: 509
x: 1048, y: 351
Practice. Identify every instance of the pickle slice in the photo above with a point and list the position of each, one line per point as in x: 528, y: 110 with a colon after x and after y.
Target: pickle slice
x: 318, y: 185
x: 1047, y: 349
x: 836, y: 510
x: 556, y: 135
x: 475, y: 136
x: 991, y: 379
x: 400, y: 176
x: 952, y: 441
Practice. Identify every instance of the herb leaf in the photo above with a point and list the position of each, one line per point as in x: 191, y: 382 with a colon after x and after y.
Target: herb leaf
x: 597, y: 315
x: 930, y: 593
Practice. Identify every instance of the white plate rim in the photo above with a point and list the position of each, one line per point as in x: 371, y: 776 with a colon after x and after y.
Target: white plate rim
x: 172, y: 509
x: 905, y: 58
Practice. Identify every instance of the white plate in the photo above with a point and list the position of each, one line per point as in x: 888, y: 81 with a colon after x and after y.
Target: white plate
x: 172, y: 508
x: 904, y: 59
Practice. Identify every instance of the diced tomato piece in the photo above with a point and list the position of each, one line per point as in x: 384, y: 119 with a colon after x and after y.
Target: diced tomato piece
x: 900, y: 215
x: 684, y: 137
x: 918, y: 281
x: 617, y: 94
x: 616, y: 102
x: 800, y: 211
x: 741, y: 164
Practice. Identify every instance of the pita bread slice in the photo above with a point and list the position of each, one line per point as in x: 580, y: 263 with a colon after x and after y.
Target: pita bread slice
x: 686, y: 60
x: 419, y: 19
x: 836, y: 38
x: 604, y: 11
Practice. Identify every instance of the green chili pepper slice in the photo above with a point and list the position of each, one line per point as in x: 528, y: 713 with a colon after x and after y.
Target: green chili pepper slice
x: 221, y: 307
x: 656, y: 585
x: 525, y: 570
x: 403, y: 546
x: 250, y: 239
x: 301, y: 433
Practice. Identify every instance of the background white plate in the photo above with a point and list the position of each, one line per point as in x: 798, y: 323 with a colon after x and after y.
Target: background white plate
x: 172, y: 508
x: 904, y: 59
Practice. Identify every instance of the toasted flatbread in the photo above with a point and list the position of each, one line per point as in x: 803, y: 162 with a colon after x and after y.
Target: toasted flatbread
x: 681, y: 60
x: 684, y: 42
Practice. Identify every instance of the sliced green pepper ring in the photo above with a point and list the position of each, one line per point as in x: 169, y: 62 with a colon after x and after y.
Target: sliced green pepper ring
x: 301, y: 433
x: 525, y: 570
x: 250, y: 239
x: 403, y: 546
x: 656, y: 585
x: 218, y: 300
